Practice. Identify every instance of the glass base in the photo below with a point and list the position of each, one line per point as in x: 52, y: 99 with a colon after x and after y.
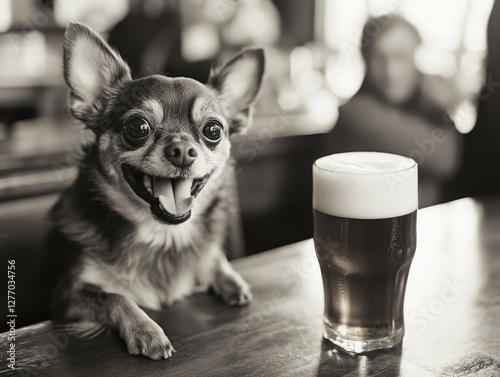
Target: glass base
x: 362, y: 345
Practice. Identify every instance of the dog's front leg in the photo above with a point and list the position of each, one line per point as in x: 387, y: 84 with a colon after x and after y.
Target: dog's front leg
x: 142, y: 335
x: 229, y: 284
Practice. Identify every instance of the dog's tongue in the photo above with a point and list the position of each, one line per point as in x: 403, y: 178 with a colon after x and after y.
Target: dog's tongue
x: 174, y: 194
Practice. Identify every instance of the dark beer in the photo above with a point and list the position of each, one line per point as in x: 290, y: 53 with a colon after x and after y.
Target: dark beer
x: 365, y: 265
x: 365, y: 212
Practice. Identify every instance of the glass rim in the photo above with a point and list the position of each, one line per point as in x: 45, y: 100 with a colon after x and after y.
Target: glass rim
x: 414, y: 164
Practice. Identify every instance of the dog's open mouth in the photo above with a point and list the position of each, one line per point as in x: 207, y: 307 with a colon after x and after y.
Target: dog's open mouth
x: 171, y: 199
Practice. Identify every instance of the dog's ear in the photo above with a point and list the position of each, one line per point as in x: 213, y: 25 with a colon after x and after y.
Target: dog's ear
x: 237, y: 84
x: 92, y: 70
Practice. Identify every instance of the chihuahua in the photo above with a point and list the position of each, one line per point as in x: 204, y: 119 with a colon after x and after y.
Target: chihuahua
x: 144, y: 223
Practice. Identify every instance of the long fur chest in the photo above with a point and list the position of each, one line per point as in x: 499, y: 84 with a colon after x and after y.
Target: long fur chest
x: 155, y: 269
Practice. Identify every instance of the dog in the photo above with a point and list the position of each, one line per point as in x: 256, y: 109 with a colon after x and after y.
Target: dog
x: 144, y: 223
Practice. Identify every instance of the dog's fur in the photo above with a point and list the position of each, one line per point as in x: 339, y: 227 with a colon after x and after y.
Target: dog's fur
x: 113, y: 253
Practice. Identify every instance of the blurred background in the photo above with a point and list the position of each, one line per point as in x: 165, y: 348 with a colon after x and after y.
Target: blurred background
x: 418, y: 78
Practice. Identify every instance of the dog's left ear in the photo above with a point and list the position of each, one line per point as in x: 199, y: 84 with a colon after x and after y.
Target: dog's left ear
x: 237, y: 84
x: 92, y: 70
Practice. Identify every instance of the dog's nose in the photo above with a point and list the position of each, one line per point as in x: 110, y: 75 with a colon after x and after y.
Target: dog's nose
x: 182, y: 154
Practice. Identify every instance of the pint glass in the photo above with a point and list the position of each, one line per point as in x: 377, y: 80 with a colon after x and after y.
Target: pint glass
x: 365, y: 212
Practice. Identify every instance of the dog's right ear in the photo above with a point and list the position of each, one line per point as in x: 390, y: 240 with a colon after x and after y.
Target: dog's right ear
x: 92, y: 70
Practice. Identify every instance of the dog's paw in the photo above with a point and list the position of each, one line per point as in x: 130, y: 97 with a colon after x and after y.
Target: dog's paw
x: 148, y: 339
x: 233, y: 290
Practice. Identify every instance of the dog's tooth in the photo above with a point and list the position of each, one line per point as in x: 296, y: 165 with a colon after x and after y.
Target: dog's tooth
x: 147, y: 184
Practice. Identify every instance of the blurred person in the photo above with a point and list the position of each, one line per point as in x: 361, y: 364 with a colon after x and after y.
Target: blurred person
x: 393, y: 112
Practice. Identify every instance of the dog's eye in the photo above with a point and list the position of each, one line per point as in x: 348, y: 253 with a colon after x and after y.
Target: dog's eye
x: 212, y: 130
x: 137, y: 129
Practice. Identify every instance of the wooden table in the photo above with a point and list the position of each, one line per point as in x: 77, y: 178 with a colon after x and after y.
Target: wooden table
x: 452, y: 317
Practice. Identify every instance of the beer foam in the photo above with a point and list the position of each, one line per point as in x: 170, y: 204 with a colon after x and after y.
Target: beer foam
x: 365, y: 185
